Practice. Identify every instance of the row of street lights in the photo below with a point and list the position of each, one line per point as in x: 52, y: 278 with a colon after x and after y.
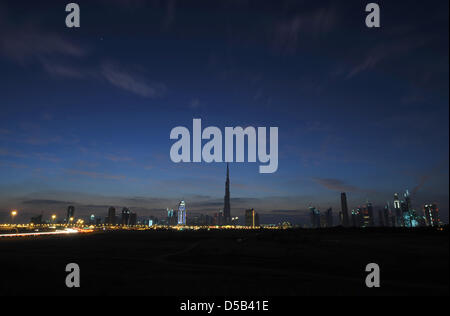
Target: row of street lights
x: 14, y: 214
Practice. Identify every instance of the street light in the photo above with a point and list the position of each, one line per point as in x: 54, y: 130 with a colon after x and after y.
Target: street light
x: 13, y: 214
x: 53, y: 218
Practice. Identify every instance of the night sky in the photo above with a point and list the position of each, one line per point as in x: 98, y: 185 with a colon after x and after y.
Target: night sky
x: 86, y: 113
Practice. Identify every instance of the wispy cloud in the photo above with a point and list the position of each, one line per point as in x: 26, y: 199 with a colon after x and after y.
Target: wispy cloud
x: 41, y: 156
x: 336, y: 185
x: 131, y: 82
x: 96, y: 175
x: 384, y: 51
x: 287, y: 33
x: 116, y: 158
x: 47, y: 157
x: 62, y: 70
x: 10, y: 153
x: 39, y: 202
x: 42, y: 140
x: 29, y: 43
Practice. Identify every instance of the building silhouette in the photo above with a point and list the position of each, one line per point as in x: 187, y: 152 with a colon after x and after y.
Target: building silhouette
x: 111, y: 219
x: 226, y: 204
x: 133, y: 219
x: 344, y: 210
x: 389, y: 220
x: 70, y: 213
x: 381, y: 218
x: 37, y: 220
x: 329, y: 217
x: 218, y: 218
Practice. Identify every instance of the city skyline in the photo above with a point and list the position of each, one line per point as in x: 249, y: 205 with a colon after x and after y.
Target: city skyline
x: 86, y: 113
x: 401, y: 214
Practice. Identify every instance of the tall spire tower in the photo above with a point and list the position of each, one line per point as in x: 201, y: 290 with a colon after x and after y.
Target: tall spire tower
x: 226, y: 206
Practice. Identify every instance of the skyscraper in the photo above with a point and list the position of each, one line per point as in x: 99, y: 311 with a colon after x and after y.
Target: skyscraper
x: 431, y: 213
x: 218, y: 218
x: 344, y: 209
x: 70, y: 213
x: 315, y: 217
x: 397, y: 211
x: 387, y: 216
x: 407, y: 211
x: 329, y: 217
x: 182, y: 213
x: 172, y: 218
x: 371, y: 214
x: 356, y: 217
x: 381, y: 218
x: 111, y: 216
x: 251, y: 218
x: 226, y: 205
x: 366, y: 212
x: 126, y: 216
x: 133, y: 219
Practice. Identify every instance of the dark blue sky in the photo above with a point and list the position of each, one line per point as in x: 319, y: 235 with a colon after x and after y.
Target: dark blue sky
x: 86, y: 113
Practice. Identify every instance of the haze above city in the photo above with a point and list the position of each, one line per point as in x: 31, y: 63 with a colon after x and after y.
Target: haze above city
x: 86, y: 113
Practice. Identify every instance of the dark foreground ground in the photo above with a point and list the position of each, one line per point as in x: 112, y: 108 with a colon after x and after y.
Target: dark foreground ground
x: 256, y: 263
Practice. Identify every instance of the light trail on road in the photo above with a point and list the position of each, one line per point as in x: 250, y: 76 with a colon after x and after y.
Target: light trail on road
x: 59, y: 232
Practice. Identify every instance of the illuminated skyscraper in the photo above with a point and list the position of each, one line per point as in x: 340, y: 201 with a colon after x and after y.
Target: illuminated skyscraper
x: 344, y: 209
x: 431, y: 213
x: 172, y: 218
x: 182, y: 213
x: 126, y: 216
x: 226, y: 204
x: 396, y: 201
x: 366, y: 215
x: 407, y: 211
x: 251, y: 218
x: 315, y: 217
x: 356, y: 217
x: 397, y: 211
